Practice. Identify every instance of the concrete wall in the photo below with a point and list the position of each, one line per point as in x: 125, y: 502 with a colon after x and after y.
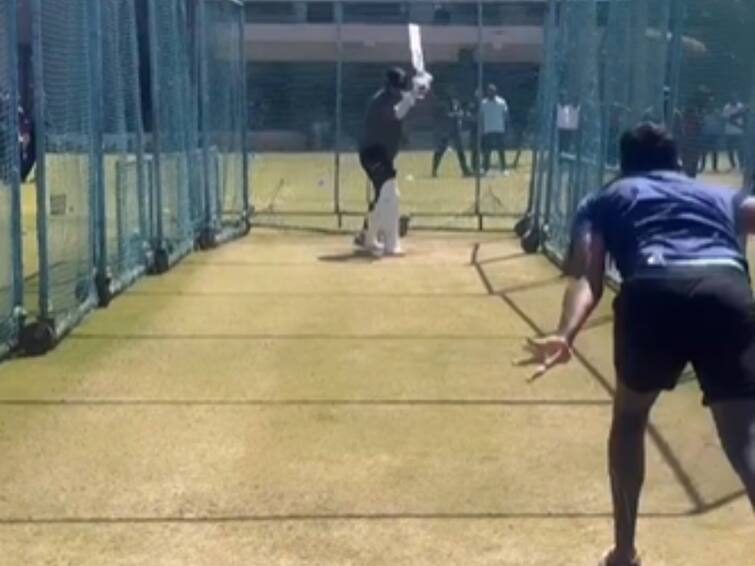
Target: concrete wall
x: 367, y: 43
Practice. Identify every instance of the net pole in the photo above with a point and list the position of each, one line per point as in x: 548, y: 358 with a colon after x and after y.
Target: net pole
x: 675, y: 64
x: 214, y: 168
x: 478, y: 141
x: 749, y: 172
x: 245, y: 195
x: 551, y: 113
x: 201, y: 49
x: 41, y: 169
x: 666, y: 28
x: 144, y: 197
x: 15, y: 180
x: 339, y: 108
x: 97, y: 195
x: 544, y: 118
x: 156, y: 149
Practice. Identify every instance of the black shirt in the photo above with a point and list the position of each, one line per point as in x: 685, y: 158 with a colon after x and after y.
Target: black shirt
x: 382, y: 128
x: 449, y: 118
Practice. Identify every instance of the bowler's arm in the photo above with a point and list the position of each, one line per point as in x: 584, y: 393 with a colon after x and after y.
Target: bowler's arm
x: 586, y: 283
x: 583, y: 293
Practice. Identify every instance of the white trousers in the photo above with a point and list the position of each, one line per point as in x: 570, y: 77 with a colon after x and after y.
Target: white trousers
x: 384, y: 219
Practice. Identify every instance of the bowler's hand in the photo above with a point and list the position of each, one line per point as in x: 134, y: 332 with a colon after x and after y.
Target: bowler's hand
x: 545, y: 354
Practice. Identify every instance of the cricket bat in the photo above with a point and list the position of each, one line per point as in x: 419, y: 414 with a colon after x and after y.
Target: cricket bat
x: 415, y: 45
x: 422, y: 78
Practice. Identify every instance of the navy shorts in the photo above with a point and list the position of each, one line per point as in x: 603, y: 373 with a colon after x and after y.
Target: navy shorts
x: 699, y: 316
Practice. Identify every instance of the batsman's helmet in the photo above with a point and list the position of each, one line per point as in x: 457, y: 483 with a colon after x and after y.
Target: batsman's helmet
x: 396, y: 77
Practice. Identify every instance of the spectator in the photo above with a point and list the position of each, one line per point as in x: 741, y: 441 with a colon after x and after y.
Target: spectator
x: 689, y: 142
x: 494, y: 114
x: 472, y: 118
x: 712, y: 134
x: 449, y: 122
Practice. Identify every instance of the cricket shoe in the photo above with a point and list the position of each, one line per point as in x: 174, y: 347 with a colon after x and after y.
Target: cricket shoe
x: 396, y: 252
x: 372, y: 248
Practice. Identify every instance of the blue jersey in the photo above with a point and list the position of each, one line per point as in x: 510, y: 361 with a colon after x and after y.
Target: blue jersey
x: 661, y: 218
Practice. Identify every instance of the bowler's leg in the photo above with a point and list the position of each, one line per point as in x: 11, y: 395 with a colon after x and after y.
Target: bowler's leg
x: 735, y: 421
x: 626, y: 465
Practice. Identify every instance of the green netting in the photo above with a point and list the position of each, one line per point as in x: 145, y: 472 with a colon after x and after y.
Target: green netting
x: 292, y: 107
x: 609, y: 65
x: 516, y: 82
x: 177, y: 153
x: 436, y: 164
x: 123, y: 188
x: 106, y: 210
x: 715, y: 88
x: 9, y: 182
x: 314, y: 67
x: 65, y: 180
x: 224, y: 114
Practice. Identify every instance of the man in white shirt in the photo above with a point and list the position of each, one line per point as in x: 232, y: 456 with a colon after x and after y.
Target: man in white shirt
x: 734, y: 116
x: 494, y: 115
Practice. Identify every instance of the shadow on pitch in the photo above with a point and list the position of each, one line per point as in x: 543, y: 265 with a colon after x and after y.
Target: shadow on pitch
x: 355, y: 256
x: 682, y: 476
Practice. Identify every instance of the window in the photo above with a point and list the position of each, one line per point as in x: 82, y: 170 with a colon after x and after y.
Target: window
x: 375, y: 12
x: 320, y: 12
x: 456, y: 14
x: 270, y: 12
x: 514, y: 14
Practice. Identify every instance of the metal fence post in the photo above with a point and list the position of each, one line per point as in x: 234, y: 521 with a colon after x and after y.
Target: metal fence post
x: 200, y: 33
x: 478, y: 110
x: 159, y: 240
x: 141, y: 180
x: 339, y: 110
x: 675, y: 63
x: 15, y: 180
x: 244, y: 120
x: 41, y: 177
x: 97, y: 197
x: 749, y: 173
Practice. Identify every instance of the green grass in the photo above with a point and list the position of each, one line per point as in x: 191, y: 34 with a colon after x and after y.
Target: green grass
x: 306, y: 182
x: 292, y: 188
x: 299, y: 189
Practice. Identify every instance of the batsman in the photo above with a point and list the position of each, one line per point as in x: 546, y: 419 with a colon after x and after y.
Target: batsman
x: 379, y: 147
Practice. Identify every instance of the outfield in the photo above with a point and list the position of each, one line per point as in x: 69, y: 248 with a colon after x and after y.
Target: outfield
x: 297, y: 183
x: 300, y: 188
